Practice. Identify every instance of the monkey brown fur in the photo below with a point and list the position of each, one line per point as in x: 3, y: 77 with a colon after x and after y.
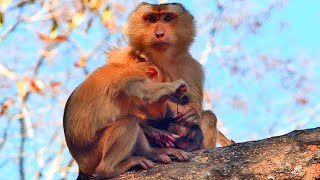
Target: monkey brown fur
x: 102, y: 116
x: 164, y: 33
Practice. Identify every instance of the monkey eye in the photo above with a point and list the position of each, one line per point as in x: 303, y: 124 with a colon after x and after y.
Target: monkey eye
x: 151, y: 18
x: 168, y: 17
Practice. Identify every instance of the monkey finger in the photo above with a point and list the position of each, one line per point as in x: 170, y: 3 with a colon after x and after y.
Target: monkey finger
x: 180, y: 157
x: 179, y: 154
x: 182, y: 88
x: 192, y: 121
x: 178, y: 117
x: 181, y: 118
x: 178, y: 95
x: 167, y: 144
x: 171, y: 144
x: 163, y: 158
x: 174, y: 136
x: 186, y: 156
x: 146, y: 164
x: 187, y: 111
x: 167, y: 137
x: 149, y: 164
x: 192, y: 118
x: 186, y: 117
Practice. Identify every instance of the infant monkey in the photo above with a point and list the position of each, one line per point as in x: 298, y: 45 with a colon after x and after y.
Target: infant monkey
x: 103, y: 114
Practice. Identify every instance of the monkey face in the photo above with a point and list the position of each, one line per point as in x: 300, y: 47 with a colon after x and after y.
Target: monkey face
x: 161, y: 27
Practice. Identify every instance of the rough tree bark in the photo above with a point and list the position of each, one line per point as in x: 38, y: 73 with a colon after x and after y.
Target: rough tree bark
x: 292, y: 156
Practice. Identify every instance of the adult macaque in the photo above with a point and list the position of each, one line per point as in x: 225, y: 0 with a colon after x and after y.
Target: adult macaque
x: 102, y: 116
x: 163, y: 34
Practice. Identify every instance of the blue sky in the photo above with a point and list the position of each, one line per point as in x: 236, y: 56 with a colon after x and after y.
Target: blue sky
x: 291, y: 32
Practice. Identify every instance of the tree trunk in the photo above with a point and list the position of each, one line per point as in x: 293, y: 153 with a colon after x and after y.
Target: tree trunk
x: 292, y: 156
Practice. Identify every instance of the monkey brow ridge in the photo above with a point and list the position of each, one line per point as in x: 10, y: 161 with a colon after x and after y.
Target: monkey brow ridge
x: 164, y: 4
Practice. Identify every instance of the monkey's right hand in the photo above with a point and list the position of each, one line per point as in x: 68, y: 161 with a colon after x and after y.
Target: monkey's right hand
x: 181, y: 90
x: 158, y: 137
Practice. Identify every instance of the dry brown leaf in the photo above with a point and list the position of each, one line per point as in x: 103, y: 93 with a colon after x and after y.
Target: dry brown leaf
x: 5, y: 105
x: 81, y: 63
x: 60, y: 38
x: 54, y: 86
x: 37, y: 86
x: 51, y: 38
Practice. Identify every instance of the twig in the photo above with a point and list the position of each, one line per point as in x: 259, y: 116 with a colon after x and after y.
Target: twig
x: 21, y: 149
x: 64, y: 171
x: 9, y: 30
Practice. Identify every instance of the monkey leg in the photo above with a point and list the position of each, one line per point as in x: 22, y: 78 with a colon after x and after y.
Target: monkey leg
x: 117, y: 144
x: 208, y: 125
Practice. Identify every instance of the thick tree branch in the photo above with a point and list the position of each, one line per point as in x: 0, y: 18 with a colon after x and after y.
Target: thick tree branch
x: 292, y: 156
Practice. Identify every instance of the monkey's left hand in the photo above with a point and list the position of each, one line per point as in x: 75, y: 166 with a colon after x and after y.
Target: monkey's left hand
x: 187, y: 116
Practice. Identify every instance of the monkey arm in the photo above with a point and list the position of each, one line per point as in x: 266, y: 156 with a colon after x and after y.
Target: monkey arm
x: 150, y: 91
x: 189, y: 112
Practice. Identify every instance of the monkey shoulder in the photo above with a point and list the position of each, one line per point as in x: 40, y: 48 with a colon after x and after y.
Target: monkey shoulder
x: 192, y: 69
x: 125, y: 56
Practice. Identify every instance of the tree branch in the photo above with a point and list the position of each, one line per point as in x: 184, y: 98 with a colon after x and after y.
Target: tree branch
x: 292, y: 156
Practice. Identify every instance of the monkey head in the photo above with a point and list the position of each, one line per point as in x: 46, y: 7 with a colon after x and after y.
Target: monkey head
x: 162, y: 27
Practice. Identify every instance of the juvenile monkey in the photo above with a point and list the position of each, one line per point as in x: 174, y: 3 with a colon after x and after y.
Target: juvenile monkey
x: 164, y: 33
x: 102, y: 116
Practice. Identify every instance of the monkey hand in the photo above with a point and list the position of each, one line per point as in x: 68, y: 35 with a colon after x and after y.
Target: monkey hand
x: 161, y: 138
x: 187, y: 116
x: 181, y: 90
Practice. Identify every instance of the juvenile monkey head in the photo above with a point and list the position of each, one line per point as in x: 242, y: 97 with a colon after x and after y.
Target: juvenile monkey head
x: 152, y: 72
x: 161, y: 27
x: 157, y: 109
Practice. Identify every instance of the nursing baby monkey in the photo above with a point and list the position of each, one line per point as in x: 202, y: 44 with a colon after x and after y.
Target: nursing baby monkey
x: 102, y: 116
x: 163, y: 33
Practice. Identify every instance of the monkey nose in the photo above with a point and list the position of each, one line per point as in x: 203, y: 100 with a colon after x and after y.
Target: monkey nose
x: 159, y: 35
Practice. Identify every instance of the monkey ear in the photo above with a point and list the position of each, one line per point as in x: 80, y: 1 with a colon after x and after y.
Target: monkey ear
x: 152, y: 72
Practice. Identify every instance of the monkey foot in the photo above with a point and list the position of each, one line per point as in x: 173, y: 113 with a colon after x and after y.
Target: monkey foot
x: 140, y: 161
x: 164, y: 154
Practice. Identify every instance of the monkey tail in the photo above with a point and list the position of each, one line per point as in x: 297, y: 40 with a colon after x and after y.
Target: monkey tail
x: 223, y: 140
